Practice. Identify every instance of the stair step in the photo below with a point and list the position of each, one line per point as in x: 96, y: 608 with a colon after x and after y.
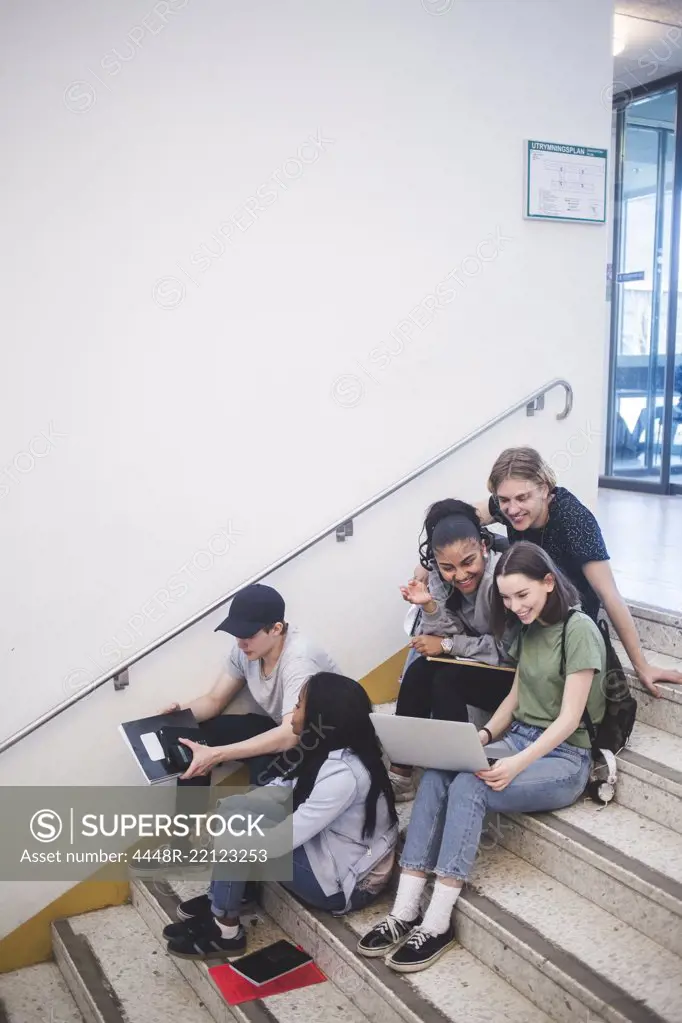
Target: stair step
x: 628, y: 865
x: 624, y: 863
x: 37, y: 994
x: 560, y: 940
x: 650, y: 776
x: 664, y: 712
x: 116, y: 971
x: 155, y: 903
x: 456, y: 989
x: 658, y: 629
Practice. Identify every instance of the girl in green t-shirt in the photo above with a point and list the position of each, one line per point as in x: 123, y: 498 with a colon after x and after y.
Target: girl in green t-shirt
x: 540, y: 721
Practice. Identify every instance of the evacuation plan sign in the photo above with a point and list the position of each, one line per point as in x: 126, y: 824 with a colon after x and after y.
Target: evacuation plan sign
x: 565, y: 182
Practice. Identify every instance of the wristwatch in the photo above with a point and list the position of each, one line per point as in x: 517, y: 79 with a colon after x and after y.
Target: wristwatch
x: 446, y: 645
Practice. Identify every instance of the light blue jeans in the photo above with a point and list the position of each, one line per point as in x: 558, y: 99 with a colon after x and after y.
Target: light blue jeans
x: 447, y: 818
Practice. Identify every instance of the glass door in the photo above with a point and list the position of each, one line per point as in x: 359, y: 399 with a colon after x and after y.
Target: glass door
x: 674, y: 403
x: 644, y: 444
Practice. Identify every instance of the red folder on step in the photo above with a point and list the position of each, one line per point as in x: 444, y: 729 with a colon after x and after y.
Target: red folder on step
x: 236, y: 989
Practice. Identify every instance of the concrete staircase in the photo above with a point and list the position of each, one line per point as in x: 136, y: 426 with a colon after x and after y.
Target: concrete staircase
x: 572, y: 917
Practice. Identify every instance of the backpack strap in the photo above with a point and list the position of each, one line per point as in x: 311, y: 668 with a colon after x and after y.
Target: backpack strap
x: 589, y: 725
x: 562, y: 668
x: 586, y: 719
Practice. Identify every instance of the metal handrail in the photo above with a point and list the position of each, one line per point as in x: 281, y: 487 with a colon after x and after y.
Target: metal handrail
x: 532, y: 402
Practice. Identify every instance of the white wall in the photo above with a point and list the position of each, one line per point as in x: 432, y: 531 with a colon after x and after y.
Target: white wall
x: 259, y: 396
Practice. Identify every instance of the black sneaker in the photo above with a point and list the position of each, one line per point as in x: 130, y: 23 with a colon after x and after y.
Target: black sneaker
x: 385, y: 937
x: 205, y: 941
x: 172, y: 931
x: 199, y: 906
x: 420, y: 950
x: 192, y: 914
x: 250, y: 897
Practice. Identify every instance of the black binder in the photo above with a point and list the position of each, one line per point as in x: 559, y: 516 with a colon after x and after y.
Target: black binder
x: 136, y: 734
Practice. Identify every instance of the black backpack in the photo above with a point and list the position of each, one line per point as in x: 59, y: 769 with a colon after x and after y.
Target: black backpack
x: 612, y: 733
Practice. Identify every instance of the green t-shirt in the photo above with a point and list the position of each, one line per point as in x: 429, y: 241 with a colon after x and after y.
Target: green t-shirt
x: 541, y: 684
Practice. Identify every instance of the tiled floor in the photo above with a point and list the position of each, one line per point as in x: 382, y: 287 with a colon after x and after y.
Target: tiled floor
x: 643, y: 534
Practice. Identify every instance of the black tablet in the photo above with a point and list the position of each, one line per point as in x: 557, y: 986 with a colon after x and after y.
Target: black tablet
x: 270, y: 962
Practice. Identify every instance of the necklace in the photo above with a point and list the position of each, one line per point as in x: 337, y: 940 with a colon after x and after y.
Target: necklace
x: 542, y: 534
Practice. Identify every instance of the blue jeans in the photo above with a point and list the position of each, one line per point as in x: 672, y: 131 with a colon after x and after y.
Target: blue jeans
x: 226, y: 896
x: 447, y: 818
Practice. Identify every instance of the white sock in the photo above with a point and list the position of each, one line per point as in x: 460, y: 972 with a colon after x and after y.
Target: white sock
x: 225, y: 930
x: 406, y: 905
x: 437, y: 916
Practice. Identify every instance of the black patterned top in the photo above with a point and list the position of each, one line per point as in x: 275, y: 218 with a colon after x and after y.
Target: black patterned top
x: 571, y: 537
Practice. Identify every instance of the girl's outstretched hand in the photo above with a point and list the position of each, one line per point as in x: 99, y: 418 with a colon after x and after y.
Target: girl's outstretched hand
x: 416, y: 592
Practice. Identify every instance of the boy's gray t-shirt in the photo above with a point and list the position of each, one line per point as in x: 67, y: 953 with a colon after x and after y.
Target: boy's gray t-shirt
x: 278, y: 693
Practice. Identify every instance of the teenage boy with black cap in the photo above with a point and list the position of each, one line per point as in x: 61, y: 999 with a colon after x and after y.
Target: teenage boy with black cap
x: 273, y: 660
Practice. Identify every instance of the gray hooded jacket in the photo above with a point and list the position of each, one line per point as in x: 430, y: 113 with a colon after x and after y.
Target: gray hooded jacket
x: 328, y: 824
x: 458, y: 625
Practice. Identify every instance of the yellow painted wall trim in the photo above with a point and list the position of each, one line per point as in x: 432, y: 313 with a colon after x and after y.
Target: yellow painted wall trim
x: 31, y: 942
x: 381, y: 684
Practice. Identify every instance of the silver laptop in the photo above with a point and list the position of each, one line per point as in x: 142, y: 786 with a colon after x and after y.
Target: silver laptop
x: 426, y: 742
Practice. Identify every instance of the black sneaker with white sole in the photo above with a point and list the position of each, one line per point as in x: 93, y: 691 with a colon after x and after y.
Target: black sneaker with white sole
x: 420, y: 950
x: 386, y: 936
x: 203, y: 940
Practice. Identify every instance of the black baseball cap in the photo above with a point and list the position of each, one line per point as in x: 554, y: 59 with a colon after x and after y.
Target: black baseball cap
x: 251, y: 609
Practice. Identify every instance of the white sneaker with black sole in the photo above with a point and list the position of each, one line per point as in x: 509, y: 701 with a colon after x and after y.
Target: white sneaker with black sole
x: 404, y: 788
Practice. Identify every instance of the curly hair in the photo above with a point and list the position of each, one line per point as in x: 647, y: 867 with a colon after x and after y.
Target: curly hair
x: 447, y: 533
